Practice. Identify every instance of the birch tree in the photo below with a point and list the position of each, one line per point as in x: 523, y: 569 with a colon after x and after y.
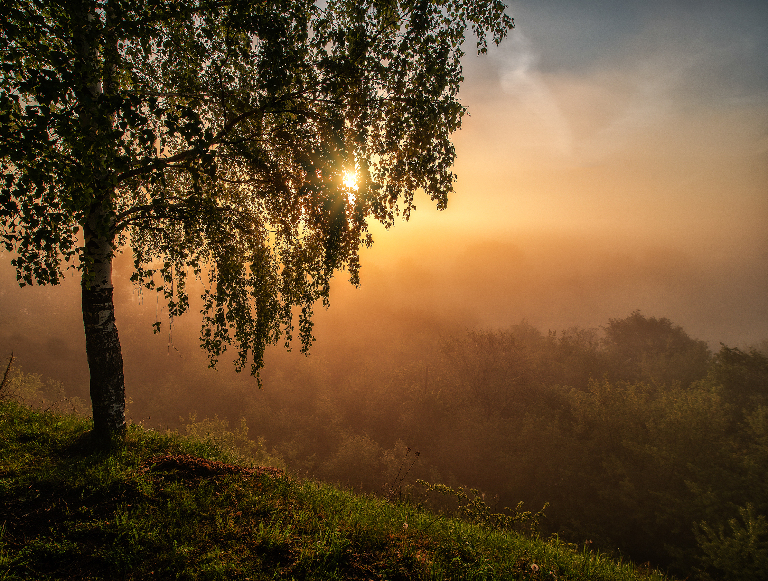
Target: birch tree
x: 210, y: 138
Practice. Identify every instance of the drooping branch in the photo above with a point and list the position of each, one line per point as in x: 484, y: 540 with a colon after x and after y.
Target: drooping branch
x: 188, y: 154
x: 132, y: 215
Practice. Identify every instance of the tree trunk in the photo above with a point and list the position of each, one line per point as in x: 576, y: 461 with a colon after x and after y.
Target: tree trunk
x: 96, y: 68
x: 102, y: 344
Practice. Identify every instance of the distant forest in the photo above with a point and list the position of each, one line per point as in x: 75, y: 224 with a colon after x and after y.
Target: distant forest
x: 642, y: 441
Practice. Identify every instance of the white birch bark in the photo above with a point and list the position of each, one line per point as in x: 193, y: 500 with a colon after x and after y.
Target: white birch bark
x: 105, y: 360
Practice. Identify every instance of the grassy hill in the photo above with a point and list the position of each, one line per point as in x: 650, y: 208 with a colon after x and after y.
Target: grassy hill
x: 169, y: 507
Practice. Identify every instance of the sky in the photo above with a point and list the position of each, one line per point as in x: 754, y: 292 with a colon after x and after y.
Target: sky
x: 615, y: 158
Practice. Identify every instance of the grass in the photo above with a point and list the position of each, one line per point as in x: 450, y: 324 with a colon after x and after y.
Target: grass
x: 169, y: 507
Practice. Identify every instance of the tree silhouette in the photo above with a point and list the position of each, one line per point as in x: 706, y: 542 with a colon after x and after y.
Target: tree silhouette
x: 211, y: 138
x: 654, y: 350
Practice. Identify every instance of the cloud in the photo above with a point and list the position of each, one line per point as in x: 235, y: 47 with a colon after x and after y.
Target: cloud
x: 530, y: 93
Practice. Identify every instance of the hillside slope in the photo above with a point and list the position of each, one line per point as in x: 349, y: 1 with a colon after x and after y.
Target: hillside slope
x: 168, y: 507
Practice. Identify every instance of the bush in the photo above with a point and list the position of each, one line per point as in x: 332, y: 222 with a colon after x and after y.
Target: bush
x: 740, y: 554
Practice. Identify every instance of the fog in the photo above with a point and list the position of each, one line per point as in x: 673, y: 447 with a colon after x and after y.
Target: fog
x: 615, y: 157
x: 419, y: 284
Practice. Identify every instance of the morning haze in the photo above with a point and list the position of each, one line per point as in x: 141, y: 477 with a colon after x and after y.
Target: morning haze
x: 612, y: 160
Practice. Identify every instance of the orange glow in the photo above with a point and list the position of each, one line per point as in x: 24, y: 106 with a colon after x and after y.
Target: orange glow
x: 350, y: 180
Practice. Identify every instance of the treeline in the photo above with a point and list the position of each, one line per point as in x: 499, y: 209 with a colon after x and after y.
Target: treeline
x: 642, y: 441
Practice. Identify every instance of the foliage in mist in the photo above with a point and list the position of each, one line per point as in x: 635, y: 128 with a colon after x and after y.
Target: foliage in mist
x: 36, y: 391
x: 234, y: 441
x: 641, y: 440
x: 742, y: 551
x: 635, y: 434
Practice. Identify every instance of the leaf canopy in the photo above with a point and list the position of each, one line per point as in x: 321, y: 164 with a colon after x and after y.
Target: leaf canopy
x: 216, y: 134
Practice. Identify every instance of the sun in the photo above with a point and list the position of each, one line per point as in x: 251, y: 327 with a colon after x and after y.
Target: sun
x: 350, y: 180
